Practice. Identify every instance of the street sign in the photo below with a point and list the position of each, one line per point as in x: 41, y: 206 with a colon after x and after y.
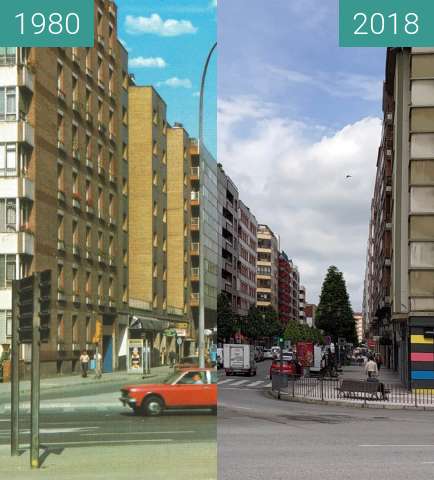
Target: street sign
x: 179, y: 340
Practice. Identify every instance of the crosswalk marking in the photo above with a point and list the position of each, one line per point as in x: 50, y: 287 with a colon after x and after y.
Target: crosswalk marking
x: 255, y: 384
x: 268, y: 385
x: 239, y: 382
x: 226, y: 380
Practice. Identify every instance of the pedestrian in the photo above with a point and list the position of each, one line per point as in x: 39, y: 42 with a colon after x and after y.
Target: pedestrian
x: 84, y: 363
x: 371, y: 368
x: 98, y: 367
x: 163, y: 356
x: 379, y: 361
x: 172, y: 358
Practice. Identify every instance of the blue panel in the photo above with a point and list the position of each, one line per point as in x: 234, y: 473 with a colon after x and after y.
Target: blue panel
x: 422, y: 375
x: 107, y: 354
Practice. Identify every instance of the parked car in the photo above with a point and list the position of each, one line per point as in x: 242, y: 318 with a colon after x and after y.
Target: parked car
x: 287, y: 355
x: 190, y: 388
x: 267, y: 354
x: 288, y: 367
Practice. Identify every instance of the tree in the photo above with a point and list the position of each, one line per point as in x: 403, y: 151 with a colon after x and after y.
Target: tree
x: 334, y: 314
x: 262, y: 323
x: 226, y: 320
x: 297, y: 332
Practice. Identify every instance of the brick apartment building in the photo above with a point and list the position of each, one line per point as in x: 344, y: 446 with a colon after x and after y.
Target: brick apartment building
x: 64, y: 177
x: 267, y: 268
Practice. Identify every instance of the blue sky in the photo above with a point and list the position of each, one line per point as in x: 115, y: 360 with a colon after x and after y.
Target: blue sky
x: 168, y: 41
x: 297, y: 114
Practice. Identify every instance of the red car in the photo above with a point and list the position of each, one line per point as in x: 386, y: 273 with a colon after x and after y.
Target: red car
x: 288, y: 367
x: 190, y: 388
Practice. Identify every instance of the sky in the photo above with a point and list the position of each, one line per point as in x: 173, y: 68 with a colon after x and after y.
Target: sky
x: 168, y: 42
x: 296, y: 115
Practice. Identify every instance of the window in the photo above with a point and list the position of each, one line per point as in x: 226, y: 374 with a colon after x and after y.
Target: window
x: 75, y: 288
x: 75, y: 184
x: 60, y: 177
x: 88, y: 147
x: 8, y: 215
x: 8, y: 160
x: 7, y: 270
x: 88, y: 99
x: 6, y: 318
x: 7, y: 55
x: 88, y: 284
x: 74, y: 88
x: 60, y: 329
x: 8, y: 103
x: 60, y: 78
x: 74, y: 329
x: 75, y: 232
x: 60, y: 278
x: 88, y: 329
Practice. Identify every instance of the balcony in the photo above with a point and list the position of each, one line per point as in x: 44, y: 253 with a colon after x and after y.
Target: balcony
x: 75, y: 57
x: 89, y: 163
x: 61, y: 245
x: 100, y: 301
x: 89, y: 118
x: 88, y: 253
x: 26, y: 78
x: 89, y: 72
x: 61, y: 95
x: 112, y: 260
x: 76, y: 202
x: 195, y: 198
x: 195, y: 249
x: 102, y: 128
x: 195, y: 224
x: 77, y: 107
x: 112, y: 53
x: 112, y: 137
x: 112, y: 302
x: 100, y: 40
x: 112, y: 178
x: 112, y: 10
x: 76, y: 251
x: 26, y: 243
x: 101, y: 85
x: 61, y: 145
x: 101, y: 170
x: 89, y: 208
x: 88, y: 300
x: 61, y: 296
x: 76, y: 299
x: 195, y: 274
x: 100, y: 215
x: 111, y: 94
x: 20, y: 187
x: 194, y: 299
x: 112, y: 221
x: 61, y: 197
x: 101, y: 258
x: 17, y: 131
x: 76, y: 154
x: 194, y: 173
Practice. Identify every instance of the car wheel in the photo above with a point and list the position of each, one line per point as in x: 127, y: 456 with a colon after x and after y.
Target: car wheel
x: 153, y: 406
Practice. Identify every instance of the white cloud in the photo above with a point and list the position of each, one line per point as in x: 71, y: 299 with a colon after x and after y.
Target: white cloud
x: 157, y: 26
x: 294, y: 181
x: 339, y: 84
x: 176, y: 82
x: 150, y: 62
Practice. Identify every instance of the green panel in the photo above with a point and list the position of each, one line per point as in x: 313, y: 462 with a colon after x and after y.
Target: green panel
x: 47, y: 23
x: 386, y: 23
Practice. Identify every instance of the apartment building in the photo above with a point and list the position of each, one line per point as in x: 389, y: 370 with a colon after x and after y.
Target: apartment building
x: 227, y: 209
x: 209, y: 235
x: 158, y: 238
x: 246, y: 265
x: 302, y: 304
x: 267, y: 268
x: 180, y: 273
x: 284, y: 289
x: 310, y: 311
x: 407, y: 331
x: 63, y: 189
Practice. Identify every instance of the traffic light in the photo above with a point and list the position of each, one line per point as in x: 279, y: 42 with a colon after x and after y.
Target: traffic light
x: 24, y: 291
x: 45, y: 304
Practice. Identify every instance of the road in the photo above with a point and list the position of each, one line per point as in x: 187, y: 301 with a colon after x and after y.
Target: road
x: 263, y: 438
x: 86, y: 425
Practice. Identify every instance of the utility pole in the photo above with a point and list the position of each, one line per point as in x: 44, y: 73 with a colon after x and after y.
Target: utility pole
x: 201, y: 326
x: 35, y: 390
x: 15, y: 386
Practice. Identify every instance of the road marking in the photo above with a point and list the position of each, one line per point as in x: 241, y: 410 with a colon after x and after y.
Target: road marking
x: 96, y: 442
x: 135, y: 433
x: 5, y: 420
x: 225, y: 381
x: 268, y: 385
x: 255, y: 384
x: 239, y: 382
x: 396, y: 446
x: 427, y: 463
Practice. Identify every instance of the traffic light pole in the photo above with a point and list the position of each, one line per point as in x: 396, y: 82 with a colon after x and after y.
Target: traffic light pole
x: 15, y: 386
x: 35, y: 391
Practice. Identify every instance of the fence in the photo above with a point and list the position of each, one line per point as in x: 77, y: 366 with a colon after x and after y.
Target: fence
x: 329, y: 389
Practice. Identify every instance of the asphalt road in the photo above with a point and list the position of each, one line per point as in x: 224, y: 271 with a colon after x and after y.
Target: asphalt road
x: 263, y: 438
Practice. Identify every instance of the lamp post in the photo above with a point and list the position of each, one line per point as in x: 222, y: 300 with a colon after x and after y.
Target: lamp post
x: 201, y: 326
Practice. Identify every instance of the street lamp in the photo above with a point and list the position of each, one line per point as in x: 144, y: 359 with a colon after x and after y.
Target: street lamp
x: 201, y: 326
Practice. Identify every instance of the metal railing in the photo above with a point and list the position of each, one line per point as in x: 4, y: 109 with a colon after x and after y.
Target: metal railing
x: 329, y: 389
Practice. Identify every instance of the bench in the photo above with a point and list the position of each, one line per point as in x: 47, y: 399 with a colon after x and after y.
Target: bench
x: 374, y: 390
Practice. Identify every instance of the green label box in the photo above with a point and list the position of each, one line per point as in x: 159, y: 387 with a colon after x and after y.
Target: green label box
x: 47, y: 23
x: 386, y: 23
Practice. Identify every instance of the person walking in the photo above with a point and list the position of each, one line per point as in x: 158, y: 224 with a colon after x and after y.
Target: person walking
x: 379, y: 361
x: 371, y: 368
x: 163, y: 356
x: 84, y: 363
x: 172, y: 358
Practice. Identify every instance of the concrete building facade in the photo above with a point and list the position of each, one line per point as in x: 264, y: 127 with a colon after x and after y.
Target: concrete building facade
x: 267, y: 268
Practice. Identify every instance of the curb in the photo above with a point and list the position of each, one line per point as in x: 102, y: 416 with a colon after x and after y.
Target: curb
x: 344, y: 404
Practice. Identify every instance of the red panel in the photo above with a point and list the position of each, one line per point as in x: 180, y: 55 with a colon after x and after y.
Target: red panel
x: 422, y: 357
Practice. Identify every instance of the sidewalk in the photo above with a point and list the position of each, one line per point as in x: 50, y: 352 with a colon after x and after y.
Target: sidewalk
x: 388, y: 377
x: 62, y: 381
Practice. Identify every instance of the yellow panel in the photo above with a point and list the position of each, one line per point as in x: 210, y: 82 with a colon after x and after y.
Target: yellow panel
x: 422, y: 66
x: 422, y: 119
x: 421, y: 339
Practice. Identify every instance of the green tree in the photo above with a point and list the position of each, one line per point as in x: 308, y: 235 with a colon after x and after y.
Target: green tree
x: 262, y: 323
x: 297, y: 332
x: 334, y: 314
x: 226, y: 320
